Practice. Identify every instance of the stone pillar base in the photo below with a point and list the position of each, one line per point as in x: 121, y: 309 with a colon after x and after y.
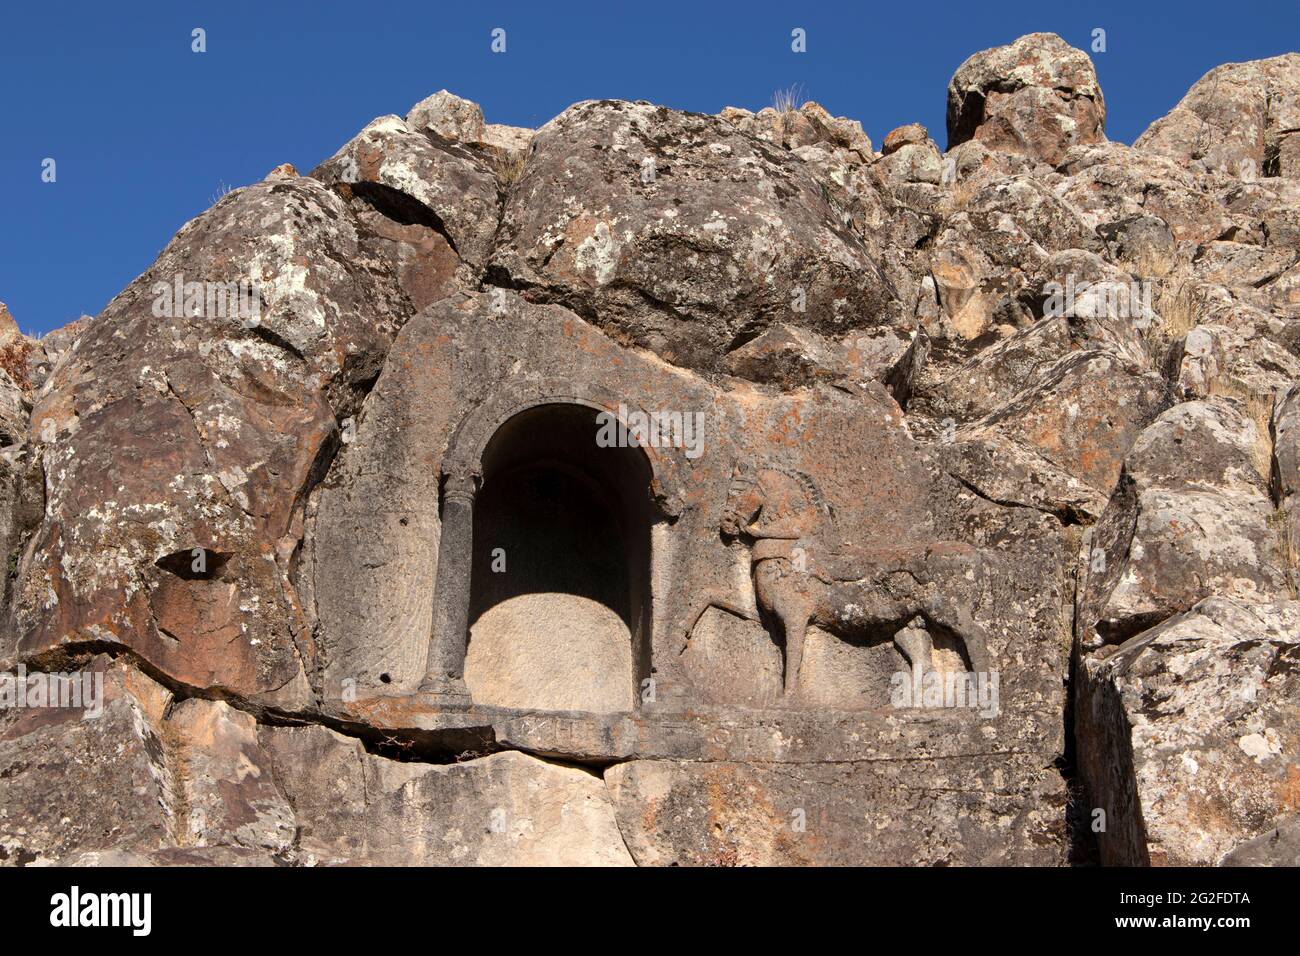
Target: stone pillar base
x: 445, y: 693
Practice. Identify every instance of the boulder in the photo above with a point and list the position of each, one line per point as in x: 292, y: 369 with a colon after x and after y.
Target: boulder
x: 418, y: 179
x: 791, y: 357
x: 1110, y: 182
x: 1191, y: 519
x: 1079, y: 415
x: 1036, y: 97
x: 448, y: 116
x: 914, y: 163
x: 809, y: 124
x: 676, y: 232
x: 911, y: 134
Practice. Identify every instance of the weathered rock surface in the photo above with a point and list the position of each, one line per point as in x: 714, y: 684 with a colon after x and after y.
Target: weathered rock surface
x: 319, y: 498
x: 1240, y: 119
x: 1035, y: 97
x: 178, y: 448
x: 1189, y: 735
x: 447, y: 116
x: 733, y: 814
x: 75, y: 782
x: 1286, y: 479
x: 678, y: 233
x: 1278, y: 847
x: 424, y: 175
x: 508, y: 809
x: 21, y: 364
x: 226, y: 783
x: 1191, y: 519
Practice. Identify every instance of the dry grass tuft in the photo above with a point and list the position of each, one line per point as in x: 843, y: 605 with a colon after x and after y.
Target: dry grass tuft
x: 1259, y: 409
x: 509, y: 169
x: 1180, y: 304
x: 1289, y: 547
x: 1157, y: 263
x: 965, y: 190
x: 788, y: 100
x: 224, y: 189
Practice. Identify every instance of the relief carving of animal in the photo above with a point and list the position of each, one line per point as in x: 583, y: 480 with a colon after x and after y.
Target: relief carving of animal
x: 800, y: 581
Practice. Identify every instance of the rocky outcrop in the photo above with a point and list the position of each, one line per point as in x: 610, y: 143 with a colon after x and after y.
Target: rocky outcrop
x: 658, y: 488
x: 677, y: 233
x: 178, y: 447
x: 1239, y: 119
x: 1286, y: 479
x: 1188, y: 736
x: 1036, y: 97
x: 23, y: 365
x: 1191, y: 519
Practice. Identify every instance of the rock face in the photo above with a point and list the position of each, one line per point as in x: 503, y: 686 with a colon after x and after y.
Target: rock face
x: 1188, y: 734
x: 1240, y: 119
x: 505, y: 809
x: 657, y: 488
x: 1036, y: 97
x: 677, y: 233
x: 1192, y: 518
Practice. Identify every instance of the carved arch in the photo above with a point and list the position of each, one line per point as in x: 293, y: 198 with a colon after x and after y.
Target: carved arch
x: 464, y: 458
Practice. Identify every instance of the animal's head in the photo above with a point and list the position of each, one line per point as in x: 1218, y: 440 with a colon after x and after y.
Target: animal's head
x: 770, y: 503
x: 744, y: 502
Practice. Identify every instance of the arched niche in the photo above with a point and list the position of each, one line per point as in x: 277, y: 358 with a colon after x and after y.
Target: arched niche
x: 470, y: 438
x: 537, y: 442
x: 559, y: 611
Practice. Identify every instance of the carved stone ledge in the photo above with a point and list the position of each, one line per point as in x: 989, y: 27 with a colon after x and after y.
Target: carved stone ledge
x: 716, y: 734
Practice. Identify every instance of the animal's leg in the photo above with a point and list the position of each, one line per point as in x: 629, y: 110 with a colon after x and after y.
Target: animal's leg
x: 915, y: 643
x: 960, y: 621
x: 796, y: 628
x: 781, y: 591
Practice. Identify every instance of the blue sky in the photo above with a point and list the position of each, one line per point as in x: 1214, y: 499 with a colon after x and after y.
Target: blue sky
x: 146, y: 132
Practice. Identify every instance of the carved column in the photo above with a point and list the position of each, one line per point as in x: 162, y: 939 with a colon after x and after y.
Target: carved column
x: 444, y: 674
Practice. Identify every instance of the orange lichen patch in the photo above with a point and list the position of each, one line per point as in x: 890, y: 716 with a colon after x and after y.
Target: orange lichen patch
x: 786, y: 429
x: 745, y: 827
x: 566, y: 260
x: 1047, y: 436
x: 1091, y: 459
x: 650, y: 816
x: 13, y: 360
x: 1288, y: 790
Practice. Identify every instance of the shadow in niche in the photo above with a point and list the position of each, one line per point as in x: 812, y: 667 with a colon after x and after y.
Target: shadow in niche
x: 560, y: 590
